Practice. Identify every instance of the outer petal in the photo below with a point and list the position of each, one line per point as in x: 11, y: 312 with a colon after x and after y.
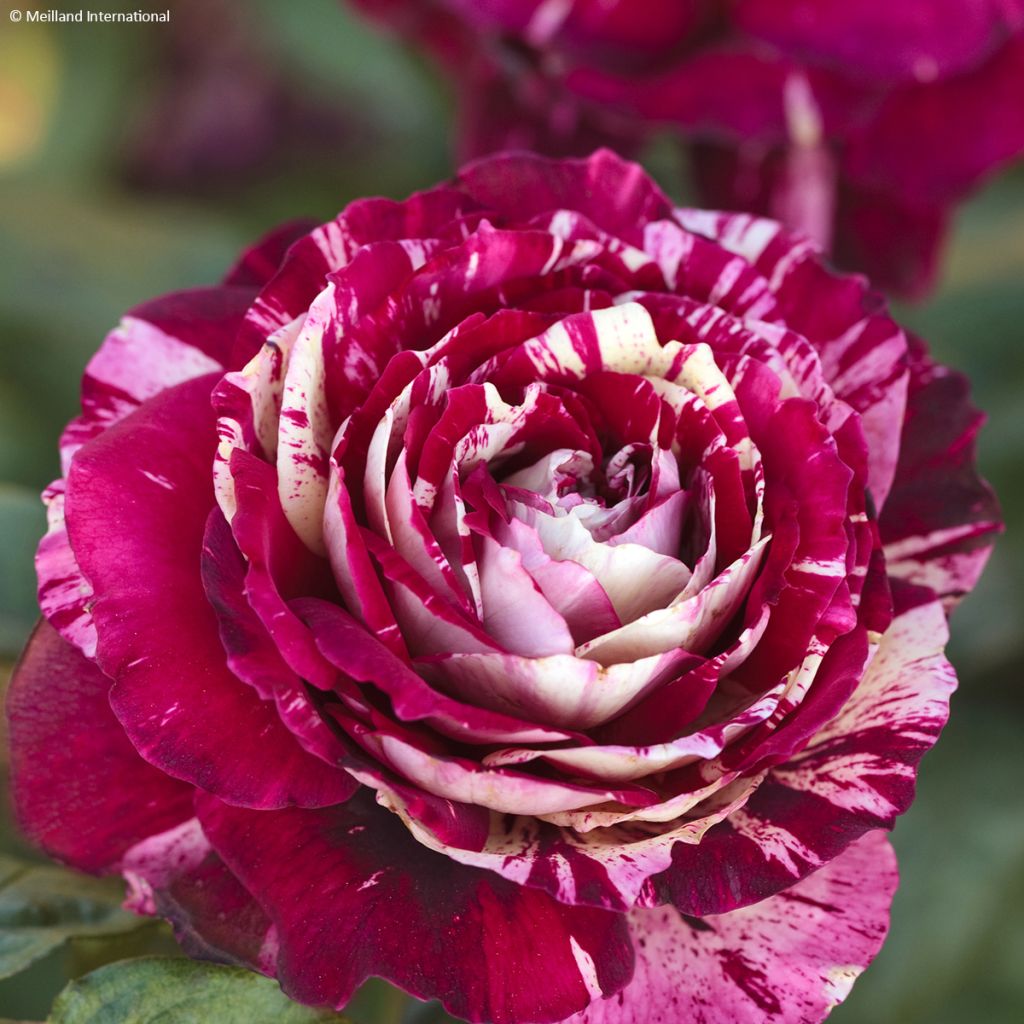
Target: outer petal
x: 178, y: 875
x: 260, y: 262
x: 787, y: 960
x: 64, y: 595
x: 613, y: 193
x: 158, y: 344
x: 940, y: 520
x: 855, y: 775
x: 863, y: 351
x: 352, y: 894
x: 80, y: 789
x: 138, y: 497
x: 907, y: 149
x: 915, y: 39
x: 896, y: 242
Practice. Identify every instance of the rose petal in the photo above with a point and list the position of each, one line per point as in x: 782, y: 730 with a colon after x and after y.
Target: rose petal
x: 258, y: 264
x: 139, y: 496
x: 333, y: 881
x: 940, y: 520
x: 560, y: 690
x: 615, y: 195
x: 904, y: 149
x: 919, y: 39
x: 179, y: 876
x: 158, y: 344
x: 360, y: 655
x: 80, y: 789
x: 787, y: 960
x: 64, y: 593
x: 856, y: 775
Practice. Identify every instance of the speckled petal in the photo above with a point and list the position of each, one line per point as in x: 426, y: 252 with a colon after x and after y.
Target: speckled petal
x: 787, y: 960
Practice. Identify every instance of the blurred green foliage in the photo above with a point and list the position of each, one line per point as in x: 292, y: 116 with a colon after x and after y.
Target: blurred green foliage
x: 42, y: 908
x: 81, y: 244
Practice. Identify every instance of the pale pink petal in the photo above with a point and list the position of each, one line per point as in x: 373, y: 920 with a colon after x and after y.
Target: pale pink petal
x: 556, y: 690
x: 515, y: 611
x: 691, y: 623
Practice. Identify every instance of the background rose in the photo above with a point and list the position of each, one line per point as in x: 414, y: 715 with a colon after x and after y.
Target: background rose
x: 489, y: 325
x: 859, y: 124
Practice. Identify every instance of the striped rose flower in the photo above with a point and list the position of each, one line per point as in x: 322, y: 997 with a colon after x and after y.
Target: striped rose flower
x: 530, y: 593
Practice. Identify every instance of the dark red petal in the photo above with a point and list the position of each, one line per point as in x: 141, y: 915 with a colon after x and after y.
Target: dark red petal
x: 80, y: 789
x: 896, y: 243
x: 138, y: 499
x: 616, y: 195
x: 907, y: 41
x: 260, y: 262
x: 352, y: 894
x: 205, y: 318
x: 940, y: 519
x: 731, y: 90
x: 932, y: 142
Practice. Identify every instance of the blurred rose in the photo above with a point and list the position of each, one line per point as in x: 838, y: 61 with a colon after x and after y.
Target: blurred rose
x: 493, y: 586
x: 860, y: 124
x: 216, y: 110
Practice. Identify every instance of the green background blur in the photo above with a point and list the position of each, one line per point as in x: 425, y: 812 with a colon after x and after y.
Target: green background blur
x: 138, y: 159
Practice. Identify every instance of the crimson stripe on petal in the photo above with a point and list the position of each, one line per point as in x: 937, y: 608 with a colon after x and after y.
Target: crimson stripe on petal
x: 353, y: 895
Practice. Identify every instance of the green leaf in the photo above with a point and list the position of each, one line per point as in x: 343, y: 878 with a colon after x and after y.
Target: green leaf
x: 42, y: 908
x: 158, y: 990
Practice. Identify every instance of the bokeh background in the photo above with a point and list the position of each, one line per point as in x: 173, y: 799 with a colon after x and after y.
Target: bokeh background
x: 138, y: 159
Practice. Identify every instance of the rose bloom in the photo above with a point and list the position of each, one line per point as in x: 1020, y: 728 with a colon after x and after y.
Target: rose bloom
x: 859, y: 122
x: 529, y: 592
